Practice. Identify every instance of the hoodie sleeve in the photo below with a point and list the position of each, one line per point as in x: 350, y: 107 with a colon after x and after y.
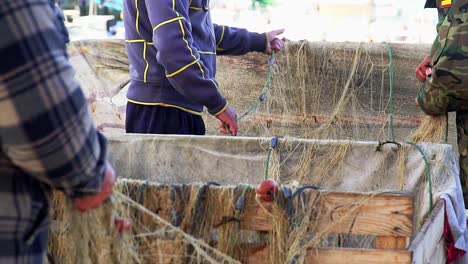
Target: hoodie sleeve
x: 238, y: 41
x: 172, y: 37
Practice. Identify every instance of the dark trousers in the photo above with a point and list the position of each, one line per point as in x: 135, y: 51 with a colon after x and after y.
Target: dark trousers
x: 144, y: 119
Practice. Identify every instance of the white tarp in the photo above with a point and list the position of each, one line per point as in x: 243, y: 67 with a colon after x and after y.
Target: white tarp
x: 360, y: 168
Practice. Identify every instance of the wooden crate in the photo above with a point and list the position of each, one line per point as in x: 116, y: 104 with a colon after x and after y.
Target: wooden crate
x: 389, y: 217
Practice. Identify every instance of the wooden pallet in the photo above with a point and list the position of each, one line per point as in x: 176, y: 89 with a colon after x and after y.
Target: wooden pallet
x: 389, y: 217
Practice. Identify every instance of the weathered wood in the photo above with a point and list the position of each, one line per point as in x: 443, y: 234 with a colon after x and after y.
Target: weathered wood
x: 338, y: 255
x: 390, y: 242
x: 348, y: 213
x: 357, y: 256
x: 429, y: 239
x: 342, y: 213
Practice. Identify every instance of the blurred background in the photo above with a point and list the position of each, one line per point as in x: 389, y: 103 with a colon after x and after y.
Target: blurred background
x: 316, y: 20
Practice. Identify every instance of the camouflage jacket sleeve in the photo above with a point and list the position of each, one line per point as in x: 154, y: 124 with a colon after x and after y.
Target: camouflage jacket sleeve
x: 447, y: 88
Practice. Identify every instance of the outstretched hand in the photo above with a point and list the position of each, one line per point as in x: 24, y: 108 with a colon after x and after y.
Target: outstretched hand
x: 273, y: 42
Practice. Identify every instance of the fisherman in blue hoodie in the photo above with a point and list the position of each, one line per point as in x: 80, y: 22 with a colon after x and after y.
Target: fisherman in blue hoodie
x: 172, y: 47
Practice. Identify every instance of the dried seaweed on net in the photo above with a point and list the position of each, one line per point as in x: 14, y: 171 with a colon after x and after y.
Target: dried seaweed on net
x: 311, y: 97
x: 286, y: 242
x: 329, y: 105
x: 90, y: 237
x: 432, y: 129
x: 311, y: 82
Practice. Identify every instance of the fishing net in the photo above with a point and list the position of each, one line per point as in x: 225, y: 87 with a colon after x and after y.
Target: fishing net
x: 337, y: 117
x: 316, y: 89
x: 187, y: 215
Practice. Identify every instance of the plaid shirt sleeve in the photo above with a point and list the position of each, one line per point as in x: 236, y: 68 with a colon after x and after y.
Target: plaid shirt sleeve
x: 45, y: 127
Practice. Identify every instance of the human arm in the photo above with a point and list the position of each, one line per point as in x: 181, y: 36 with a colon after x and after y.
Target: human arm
x: 45, y: 126
x: 239, y: 41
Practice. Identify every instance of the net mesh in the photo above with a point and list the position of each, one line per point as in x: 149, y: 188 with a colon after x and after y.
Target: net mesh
x: 325, y: 91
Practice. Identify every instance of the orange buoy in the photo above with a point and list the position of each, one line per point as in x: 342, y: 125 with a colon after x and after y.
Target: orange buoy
x: 267, y: 190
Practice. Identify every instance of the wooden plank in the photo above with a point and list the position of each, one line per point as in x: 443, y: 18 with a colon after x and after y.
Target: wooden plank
x: 346, y: 213
x: 357, y: 256
x: 388, y: 214
x: 390, y: 242
x: 337, y: 256
x: 428, y: 240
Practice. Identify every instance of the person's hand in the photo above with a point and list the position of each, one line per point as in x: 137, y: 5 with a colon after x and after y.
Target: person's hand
x: 94, y: 201
x: 424, y: 69
x: 228, y: 120
x: 273, y: 42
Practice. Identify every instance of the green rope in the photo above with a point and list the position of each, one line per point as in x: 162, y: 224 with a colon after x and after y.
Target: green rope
x: 267, y: 166
x: 262, y: 96
x: 446, y: 127
x: 392, y: 78
x: 265, y: 89
x: 256, y: 104
x: 245, y: 188
x: 392, y: 128
x: 273, y: 145
x: 428, y: 173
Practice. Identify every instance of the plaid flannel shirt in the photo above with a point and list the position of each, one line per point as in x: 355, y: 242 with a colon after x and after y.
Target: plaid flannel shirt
x: 47, y: 137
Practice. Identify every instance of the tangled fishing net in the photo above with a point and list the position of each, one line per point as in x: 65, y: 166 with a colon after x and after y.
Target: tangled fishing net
x: 328, y: 91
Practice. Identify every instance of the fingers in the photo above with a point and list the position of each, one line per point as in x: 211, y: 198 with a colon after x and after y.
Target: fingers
x: 424, y: 69
x: 420, y: 72
x: 228, y: 120
x: 277, y: 44
x: 222, y: 128
x: 233, y: 128
x: 428, y: 71
x: 421, y: 76
x: 228, y: 128
x: 276, y: 32
x: 86, y: 203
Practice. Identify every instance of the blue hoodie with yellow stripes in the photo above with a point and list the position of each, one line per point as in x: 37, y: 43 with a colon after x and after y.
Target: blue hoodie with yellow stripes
x: 172, y: 47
